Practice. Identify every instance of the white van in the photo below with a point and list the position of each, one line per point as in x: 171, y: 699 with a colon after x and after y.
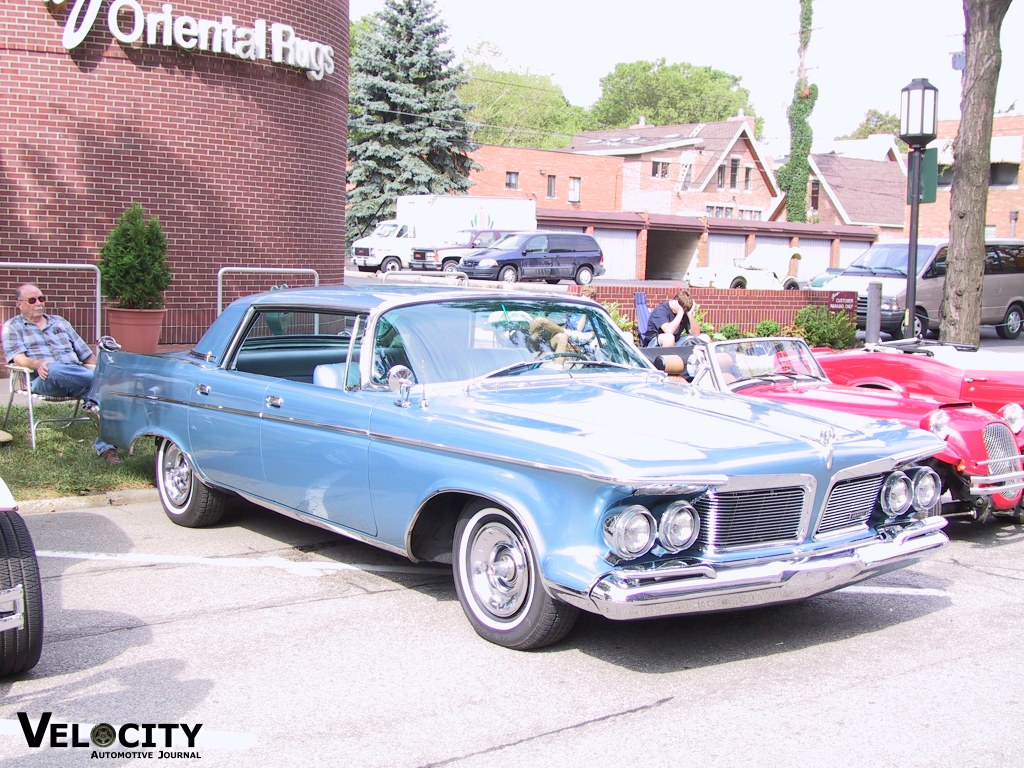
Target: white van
x: 1002, y: 296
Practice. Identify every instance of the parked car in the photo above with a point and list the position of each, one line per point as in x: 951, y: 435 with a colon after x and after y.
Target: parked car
x: 1002, y: 289
x: 523, y: 439
x: 763, y: 269
x: 925, y: 367
x: 445, y: 258
x: 21, y: 592
x: 979, y: 466
x: 824, y: 278
x: 549, y: 256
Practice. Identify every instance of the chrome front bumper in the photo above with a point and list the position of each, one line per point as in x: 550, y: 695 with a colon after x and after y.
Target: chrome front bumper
x: 12, y: 608
x: 633, y: 593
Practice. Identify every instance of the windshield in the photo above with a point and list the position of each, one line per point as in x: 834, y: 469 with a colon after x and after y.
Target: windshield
x: 889, y: 258
x: 465, y: 339
x: 751, y: 359
x: 386, y: 229
x: 511, y: 242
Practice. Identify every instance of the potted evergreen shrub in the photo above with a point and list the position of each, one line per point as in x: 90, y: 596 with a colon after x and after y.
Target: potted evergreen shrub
x: 133, y: 277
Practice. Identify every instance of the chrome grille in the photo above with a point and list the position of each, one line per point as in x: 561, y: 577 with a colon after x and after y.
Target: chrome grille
x: 750, y: 518
x: 862, y: 305
x: 850, y: 504
x: 1002, y: 453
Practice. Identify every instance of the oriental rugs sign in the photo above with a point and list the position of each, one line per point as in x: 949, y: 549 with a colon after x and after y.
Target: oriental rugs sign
x: 261, y: 40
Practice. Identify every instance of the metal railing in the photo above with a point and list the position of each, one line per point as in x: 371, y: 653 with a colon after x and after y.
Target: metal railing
x: 55, y: 266
x: 258, y: 270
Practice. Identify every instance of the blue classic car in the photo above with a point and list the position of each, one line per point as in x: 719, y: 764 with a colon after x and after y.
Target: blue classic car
x: 524, y: 440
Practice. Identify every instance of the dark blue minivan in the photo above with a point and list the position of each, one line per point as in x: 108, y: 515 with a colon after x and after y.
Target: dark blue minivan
x: 549, y: 256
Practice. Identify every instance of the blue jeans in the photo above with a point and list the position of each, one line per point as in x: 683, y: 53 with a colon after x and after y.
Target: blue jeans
x: 68, y: 380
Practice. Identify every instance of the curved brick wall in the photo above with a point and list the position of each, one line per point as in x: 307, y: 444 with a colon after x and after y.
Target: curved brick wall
x: 241, y: 159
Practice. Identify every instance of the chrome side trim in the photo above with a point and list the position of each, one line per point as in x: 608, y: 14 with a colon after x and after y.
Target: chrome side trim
x: 672, y: 485
x: 703, y: 588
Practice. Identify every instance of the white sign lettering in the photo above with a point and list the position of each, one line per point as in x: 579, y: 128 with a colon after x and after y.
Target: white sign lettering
x: 130, y: 24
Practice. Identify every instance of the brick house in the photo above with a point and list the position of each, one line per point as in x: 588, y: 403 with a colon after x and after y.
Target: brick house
x: 1005, y: 196
x: 662, y: 198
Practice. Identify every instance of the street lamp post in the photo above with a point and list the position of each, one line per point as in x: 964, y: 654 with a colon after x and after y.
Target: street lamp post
x: 918, y: 127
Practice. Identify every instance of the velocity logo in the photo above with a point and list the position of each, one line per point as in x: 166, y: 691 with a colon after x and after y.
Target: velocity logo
x: 130, y: 740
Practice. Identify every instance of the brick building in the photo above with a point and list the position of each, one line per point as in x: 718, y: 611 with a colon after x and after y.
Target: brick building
x: 224, y: 118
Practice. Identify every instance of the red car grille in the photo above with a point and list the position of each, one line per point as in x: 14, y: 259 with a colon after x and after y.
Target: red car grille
x: 1002, y: 453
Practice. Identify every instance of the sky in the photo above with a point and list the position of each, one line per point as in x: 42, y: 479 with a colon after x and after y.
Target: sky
x: 862, y: 52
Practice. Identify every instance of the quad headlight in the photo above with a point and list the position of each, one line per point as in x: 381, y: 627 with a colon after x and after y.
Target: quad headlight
x: 631, y: 532
x: 897, y: 494
x: 919, y: 488
x: 927, y: 488
x: 1014, y: 416
x: 679, y: 526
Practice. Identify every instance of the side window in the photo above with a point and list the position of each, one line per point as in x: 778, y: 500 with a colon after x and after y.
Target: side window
x: 938, y: 266
x: 560, y: 244
x: 1014, y: 259
x: 536, y: 245
x: 388, y: 351
x: 993, y: 260
x: 486, y: 238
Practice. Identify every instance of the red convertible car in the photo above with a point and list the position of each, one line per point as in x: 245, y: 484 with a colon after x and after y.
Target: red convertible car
x: 980, y: 468
x: 990, y: 380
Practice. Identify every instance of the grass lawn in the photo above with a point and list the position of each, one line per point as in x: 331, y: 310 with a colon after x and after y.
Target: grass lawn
x: 64, y: 462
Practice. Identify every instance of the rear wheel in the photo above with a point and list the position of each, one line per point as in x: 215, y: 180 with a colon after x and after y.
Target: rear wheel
x: 508, y: 274
x: 791, y: 285
x: 498, y: 582
x: 738, y: 283
x: 20, y: 648
x: 186, y: 499
x: 1012, y: 323
x: 584, y: 276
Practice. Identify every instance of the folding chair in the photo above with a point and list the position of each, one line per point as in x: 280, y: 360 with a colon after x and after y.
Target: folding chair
x: 21, y: 383
x: 643, y: 314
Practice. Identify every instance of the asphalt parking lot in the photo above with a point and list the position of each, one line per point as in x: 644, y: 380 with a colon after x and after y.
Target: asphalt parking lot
x: 290, y: 646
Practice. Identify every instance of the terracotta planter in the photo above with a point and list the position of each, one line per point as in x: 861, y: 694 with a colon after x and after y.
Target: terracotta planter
x: 136, y: 330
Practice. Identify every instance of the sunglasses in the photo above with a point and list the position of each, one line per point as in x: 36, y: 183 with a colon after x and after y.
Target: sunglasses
x: 35, y: 299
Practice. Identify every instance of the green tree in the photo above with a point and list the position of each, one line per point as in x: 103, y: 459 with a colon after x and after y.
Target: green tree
x: 408, y: 131
x: 667, y: 94
x: 961, y: 306
x: 794, y: 175
x: 875, y: 122
x: 519, y: 109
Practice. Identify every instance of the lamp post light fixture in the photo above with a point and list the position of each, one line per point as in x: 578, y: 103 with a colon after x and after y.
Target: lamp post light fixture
x: 918, y: 127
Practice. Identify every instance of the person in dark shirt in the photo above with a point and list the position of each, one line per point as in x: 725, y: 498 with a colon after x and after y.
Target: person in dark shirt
x: 671, y: 321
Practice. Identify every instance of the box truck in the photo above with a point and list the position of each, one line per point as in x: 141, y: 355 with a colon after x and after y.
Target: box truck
x: 432, y: 221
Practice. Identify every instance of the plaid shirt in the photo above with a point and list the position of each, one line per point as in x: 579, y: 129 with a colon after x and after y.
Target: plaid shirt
x: 57, y: 342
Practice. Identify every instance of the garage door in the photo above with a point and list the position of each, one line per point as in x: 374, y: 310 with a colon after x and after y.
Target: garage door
x: 815, y: 254
x: 619, y: 247
x: 723, y: 250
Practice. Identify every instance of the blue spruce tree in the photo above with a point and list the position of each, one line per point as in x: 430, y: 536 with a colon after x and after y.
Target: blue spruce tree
x: 408, y: 131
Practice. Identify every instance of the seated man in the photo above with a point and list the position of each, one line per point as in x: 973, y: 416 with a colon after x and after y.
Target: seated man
x: 50, y: 346
x: 671, y: 321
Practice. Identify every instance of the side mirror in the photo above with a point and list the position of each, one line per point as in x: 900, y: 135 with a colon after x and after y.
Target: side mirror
x: 400, y: 381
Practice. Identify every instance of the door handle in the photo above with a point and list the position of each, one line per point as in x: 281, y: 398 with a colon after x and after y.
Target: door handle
x: 274, y: 401
x: 203, y: 389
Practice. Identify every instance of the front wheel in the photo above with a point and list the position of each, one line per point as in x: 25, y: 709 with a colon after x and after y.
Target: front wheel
x: 390, y: 264
x: 450, y: 267
x: 185, y: 498
x: 508, y: 274
x: 20, y: 648
x: 738, y: 284
x: 584, y: 276
x: 498, y: 582
x: 920, y: 324
x: 1012, y: 323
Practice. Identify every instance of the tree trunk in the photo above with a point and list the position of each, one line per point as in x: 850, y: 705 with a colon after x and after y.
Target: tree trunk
x: 961, y: 307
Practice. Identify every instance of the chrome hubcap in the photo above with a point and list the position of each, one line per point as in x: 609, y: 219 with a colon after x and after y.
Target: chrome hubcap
x: 499, y: 576
x: 177, y: 476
